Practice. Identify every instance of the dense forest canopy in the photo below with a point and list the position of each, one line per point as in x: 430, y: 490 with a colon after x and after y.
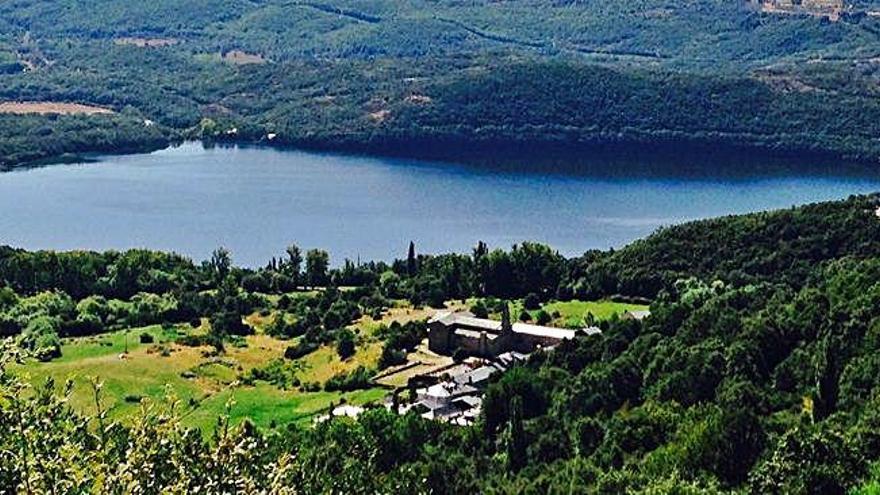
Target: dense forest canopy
x: 756, y: 371
x: 412, y: 77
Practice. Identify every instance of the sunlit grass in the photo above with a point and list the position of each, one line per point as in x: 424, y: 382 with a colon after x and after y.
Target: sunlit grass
x: 203, y: 383
x: 572, y: 314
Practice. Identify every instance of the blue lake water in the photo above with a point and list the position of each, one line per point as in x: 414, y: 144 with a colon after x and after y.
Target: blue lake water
x: 255, y: 201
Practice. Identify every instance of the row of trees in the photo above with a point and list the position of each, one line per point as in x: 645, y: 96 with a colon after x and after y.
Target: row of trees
x: 139, y: 287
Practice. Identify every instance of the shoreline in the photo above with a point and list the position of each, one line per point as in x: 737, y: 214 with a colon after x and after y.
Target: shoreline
x: 490, y: 153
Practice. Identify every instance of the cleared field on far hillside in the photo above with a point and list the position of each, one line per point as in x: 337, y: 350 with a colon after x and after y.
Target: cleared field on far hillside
x: 50, y: 108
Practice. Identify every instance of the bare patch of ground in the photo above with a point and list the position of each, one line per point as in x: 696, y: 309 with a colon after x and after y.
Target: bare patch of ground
x: 830, y: 9
x: 419, y: 99
x: 380, y: 116
x: 47, y: 108
x: 146, y: 42
x: 238, y: 57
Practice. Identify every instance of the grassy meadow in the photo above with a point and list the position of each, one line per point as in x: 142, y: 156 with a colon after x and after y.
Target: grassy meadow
x: 572, y: 314
x: 206, y: 386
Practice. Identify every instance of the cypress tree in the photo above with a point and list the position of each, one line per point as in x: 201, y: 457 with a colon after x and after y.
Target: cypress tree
x: 411, y: 264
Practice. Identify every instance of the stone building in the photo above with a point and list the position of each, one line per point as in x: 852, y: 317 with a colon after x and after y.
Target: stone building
x: 449, y: 332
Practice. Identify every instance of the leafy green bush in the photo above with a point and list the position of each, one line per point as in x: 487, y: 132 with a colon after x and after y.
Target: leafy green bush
x: 543, y: 317
x: 359, y: 378
x: 278, y: 372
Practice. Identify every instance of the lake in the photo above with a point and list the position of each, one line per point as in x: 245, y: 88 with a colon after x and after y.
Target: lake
x: 255, y: 201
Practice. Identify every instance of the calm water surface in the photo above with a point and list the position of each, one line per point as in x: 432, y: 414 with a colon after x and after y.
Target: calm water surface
x: 255, y: 201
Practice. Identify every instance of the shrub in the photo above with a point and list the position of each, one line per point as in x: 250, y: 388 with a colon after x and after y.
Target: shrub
x: 48, y: 347
x: 345, y: 345
x: 41, y: 337
x: 357, y: 379
x: 278, y: 372
x: 299, y: 350
x: 146, y: 338
x: 84, y: 324
x: 391, y: 357
x: 480, y: 310
x: 8, y: 326
x: 279, y: 327
x: 194, y: 340
x: 543, y: 317
x: 229, y: 323
x: 532, y: 301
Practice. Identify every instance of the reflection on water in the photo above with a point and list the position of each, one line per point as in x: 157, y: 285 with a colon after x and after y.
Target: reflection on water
x: 255, y: 201
x: 635, y: 163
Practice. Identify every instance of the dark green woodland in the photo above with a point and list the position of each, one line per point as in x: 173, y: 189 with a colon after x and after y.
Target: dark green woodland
x: 414, y: 77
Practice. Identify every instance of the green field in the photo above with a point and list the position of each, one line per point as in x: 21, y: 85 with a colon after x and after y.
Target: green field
x: 572, y: 314
x: 266, y: 405
x: 203, y: 384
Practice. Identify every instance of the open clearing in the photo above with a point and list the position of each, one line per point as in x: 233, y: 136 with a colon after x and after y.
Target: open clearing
x: 146, y: 42
x: 207, y: 386
x: 572, y: 314
x: 238, y: 57
x: 204, y: 384
x: 50, y: 108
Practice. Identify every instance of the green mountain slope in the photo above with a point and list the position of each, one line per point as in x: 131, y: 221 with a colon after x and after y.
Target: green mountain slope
x: 380, y: 74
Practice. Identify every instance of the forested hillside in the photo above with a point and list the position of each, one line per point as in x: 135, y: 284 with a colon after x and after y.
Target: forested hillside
x: 780, y: 246
x: 390, y: 76
x: 756, y: 371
